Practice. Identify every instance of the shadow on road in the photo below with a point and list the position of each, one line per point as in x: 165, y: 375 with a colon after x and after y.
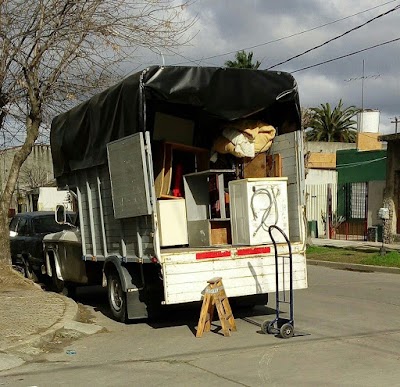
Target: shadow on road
x: 170, y: 315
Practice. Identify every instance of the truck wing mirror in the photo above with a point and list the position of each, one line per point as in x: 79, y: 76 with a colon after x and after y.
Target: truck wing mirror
x: 61, y: 216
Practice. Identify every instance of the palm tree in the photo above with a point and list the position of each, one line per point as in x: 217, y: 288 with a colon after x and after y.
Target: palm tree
x: 332, y: 125
x: 243, y: 61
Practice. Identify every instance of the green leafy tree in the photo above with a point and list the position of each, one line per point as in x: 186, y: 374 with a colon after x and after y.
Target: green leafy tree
x: 243, y: 61
x: 332, y: 125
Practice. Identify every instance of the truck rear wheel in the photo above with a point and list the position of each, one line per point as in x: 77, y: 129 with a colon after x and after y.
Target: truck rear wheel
x: 116, y: 296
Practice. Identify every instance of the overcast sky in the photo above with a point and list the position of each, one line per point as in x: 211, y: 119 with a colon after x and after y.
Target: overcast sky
x: 226, y: 26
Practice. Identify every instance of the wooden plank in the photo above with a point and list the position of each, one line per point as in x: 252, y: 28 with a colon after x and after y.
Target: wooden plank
x: 274, y: 165
x: 322, y: 160
x: 368, y: 141
x: 221, y: 232
x: 255, y: 167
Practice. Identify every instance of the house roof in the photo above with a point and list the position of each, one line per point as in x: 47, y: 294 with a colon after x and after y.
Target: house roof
x: 390, y: 137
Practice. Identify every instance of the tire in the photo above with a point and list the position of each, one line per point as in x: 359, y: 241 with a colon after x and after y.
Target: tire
x: 267, y: 327
x: 116, y: 297
x: 28, y: 271
x: 264, y: 326
x: 71, y: 291
x: 287, y: 331
x: 56, y: 285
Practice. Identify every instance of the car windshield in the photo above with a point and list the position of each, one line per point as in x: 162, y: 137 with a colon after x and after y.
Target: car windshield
x: 47, y: 224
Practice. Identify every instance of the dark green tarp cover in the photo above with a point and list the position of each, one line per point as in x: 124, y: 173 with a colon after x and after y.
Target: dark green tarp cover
x: 79, y: 137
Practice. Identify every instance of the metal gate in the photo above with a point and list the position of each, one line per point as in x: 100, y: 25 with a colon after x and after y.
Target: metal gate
x: 351, y: 217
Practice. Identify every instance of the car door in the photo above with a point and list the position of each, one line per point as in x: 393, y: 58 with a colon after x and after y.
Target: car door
x: 14, y: 242
x: 34, y: 239
x: 17, y: 242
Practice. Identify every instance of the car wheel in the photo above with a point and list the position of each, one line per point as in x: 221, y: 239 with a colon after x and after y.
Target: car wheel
x: 116, y: 296
x: 56, y: 285
x: 28, y: 272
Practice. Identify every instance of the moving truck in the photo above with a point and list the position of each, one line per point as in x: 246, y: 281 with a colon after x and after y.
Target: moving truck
x: 177, y: 173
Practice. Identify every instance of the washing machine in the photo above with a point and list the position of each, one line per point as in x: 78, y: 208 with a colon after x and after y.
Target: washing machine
x: 255, y: 204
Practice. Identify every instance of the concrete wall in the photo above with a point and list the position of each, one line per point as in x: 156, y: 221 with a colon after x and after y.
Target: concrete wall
x: 327, y: 147
x: 321, y: 176
x: 375, y: 201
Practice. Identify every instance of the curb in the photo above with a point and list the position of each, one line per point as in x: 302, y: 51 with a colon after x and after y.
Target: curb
x: 70, y: 314
x: 355, y: 266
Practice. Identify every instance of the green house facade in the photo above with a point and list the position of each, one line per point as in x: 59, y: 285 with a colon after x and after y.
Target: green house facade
x: 361, y: 183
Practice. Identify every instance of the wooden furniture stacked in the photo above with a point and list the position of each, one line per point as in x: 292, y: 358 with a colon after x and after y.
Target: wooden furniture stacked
x: 263, y: 165
x: 197, y: 159
x: 203, y: 228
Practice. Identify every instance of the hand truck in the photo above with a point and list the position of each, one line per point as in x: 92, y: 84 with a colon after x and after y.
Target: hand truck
x: 282, y: 326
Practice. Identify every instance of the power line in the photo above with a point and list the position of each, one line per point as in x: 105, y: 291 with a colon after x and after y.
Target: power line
x: 336, y: 37
x: 198, y: 60
x: 346, y: 55
x: 359, y: 163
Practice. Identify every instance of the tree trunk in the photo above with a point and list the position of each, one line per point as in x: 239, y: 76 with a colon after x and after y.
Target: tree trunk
x: 5, y: 255
x: 32, y: 130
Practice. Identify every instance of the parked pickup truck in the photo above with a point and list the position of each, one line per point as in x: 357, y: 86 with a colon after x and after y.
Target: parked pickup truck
x: 27, y: 231
x: 178, y: 174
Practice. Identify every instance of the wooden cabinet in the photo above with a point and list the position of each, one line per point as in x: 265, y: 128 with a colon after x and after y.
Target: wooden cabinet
x: 171, y: 161
x: 263, y: 165
x: 205, y: 228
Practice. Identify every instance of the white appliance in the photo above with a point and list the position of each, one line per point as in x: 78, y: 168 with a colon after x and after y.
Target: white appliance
x: 172, y: 222
x: 255, y: 204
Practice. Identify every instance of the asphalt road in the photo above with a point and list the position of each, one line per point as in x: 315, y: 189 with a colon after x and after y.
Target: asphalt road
x: 347, y: 327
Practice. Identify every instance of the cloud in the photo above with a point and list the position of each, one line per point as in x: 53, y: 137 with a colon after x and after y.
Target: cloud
x: 227, y: 26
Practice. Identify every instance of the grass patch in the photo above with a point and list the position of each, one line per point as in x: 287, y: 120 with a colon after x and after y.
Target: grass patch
x: 364, y: 257
x: 391, y: 259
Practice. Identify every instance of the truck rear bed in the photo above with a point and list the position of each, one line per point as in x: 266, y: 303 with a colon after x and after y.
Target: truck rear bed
x: 244, y: 270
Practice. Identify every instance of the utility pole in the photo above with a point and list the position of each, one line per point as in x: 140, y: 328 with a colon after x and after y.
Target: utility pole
x: 362, y: 78
x: 396, y: 120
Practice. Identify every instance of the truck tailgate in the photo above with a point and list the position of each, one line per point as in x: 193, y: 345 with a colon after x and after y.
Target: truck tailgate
x: 244, y: 271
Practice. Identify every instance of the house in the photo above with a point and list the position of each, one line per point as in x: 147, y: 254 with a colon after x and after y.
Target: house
x: 345, y: 182
x: 392, y: 187
x: 37, y: 171
x: 360, y: 186
x: 321, y: 182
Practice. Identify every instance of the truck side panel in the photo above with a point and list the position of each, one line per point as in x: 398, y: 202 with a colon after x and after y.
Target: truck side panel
x: 102, y: 234
x: 290, y: 146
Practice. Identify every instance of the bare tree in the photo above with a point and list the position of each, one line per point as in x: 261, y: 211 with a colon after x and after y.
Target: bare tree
x: 57, y: 52
x: 33, y: 177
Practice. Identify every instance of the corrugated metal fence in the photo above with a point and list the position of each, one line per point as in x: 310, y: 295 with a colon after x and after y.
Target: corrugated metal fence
x: 320, y: 198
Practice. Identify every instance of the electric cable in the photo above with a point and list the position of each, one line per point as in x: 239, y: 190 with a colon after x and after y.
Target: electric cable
x: 336, y: 37
x: 359, y: 163
x: 199, y: 60
x: 346, y: 55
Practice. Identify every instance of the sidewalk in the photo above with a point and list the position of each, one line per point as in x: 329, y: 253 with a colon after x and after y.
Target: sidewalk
x: 354, y: 244
x: 361, y: 245
x: 29, y: 317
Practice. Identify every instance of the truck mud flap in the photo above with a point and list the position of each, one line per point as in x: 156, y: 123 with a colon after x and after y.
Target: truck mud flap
x: 136, y: 309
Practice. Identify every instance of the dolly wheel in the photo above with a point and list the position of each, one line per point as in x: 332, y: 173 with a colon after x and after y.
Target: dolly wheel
x: 287, y: 331
x: 267, y: 327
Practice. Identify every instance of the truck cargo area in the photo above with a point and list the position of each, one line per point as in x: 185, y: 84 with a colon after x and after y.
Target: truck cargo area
x: 178, y: 172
